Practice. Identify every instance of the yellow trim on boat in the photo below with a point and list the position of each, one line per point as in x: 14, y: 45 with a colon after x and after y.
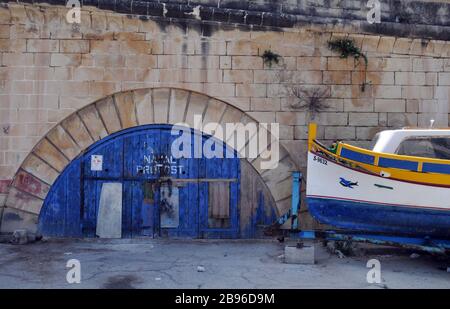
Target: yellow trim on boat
x: 393, y: 173
x: 312, y: 134
x: 392, y: 156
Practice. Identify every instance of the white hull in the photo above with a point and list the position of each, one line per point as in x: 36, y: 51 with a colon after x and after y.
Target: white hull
x: 324, y: 180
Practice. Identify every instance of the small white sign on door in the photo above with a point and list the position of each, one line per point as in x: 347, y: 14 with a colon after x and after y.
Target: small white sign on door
x: 96, y: 162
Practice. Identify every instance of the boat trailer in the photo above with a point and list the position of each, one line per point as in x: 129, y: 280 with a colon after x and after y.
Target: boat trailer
x: 427, y: 244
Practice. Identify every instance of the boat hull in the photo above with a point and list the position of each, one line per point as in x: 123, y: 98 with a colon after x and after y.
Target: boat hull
x: 353, y: 200
x: 373, y: 218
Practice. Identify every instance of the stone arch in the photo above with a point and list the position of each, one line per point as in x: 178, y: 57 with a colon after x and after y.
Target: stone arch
x: 70, y: 137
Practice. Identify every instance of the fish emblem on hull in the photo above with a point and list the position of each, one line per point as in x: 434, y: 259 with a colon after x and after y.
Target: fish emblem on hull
x: 347, y: 183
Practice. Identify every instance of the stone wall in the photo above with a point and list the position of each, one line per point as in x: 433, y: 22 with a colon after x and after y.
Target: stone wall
x: 50, y: 68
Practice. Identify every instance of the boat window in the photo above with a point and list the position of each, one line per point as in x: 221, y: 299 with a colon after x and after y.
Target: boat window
x: 428, y: 147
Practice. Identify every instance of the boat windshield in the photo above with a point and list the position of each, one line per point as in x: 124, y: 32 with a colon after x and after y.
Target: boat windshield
x: 374, y: 140
x: 428, y: 147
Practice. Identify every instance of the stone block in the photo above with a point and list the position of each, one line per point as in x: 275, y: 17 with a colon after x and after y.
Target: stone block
x: 23, y: 201
x: 64, y: 142
x: 385, y: 45
x: 265, y: 104
x: 402, y: 46
x: 141, y: 61
x: 225, y: 62
x: 363, y: 119
x: 50, y: 154
x: 196, y: 107
x: 304, y: 254
x: 239, y: 76
x: 173, y: 61
x: 14, y: 219
x: 91, y: 118
x: 341, y: 64
x: 304, y: 77
x: 396, y: 64
x: 251, y: 90
x: 329, y: 118
x: 161, y: 104
x: 201, y: 76
x: 28, y: 183
x: 16, y: 59
x: 388, y: 92
x: 417, y: 92
x: 410, y: 78
x: 264, y: 117
x: 247, y: 63
x: 281, y: 190
x: 108, y: 112
x: 135, y: 47
x: 399, y: 120
x: 74, y: 46
x: 431, y: 79
x: 390, y: 105
x: 367, y: 133
x: 337, y: 77
x: 291, y: 118
x: 358, y: 105
x: 231, y: 115
x: 42, y: 46
x: 40, y: 169
x: 88, y: 73
x: 126, y: 109
x: 64, y: 60
x: 340, y: 133
x: 109, y: 60
x: 206, y: 62
x: 311, y: 63
x: 214, y: 111
x: 242, y: 48
x: 428, y: 65
x: 77, y: 130
x: 102, y: 89
x: 177, y: 105
x: 144, y: 106
x: 219, y: 90
x: 444, y: 79
x: 374, y: 78
x: 283, y: 171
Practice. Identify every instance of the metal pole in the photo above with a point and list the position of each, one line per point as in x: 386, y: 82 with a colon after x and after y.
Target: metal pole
x: 295, y: 201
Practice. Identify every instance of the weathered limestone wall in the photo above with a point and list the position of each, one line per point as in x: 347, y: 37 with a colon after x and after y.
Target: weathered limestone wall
x: 50, y: 68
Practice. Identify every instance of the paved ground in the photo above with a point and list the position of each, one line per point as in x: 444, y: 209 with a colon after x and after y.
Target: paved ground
x: 227, y: 264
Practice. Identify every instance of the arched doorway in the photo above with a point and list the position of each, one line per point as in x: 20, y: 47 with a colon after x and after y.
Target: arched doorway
x: 263, y: 194
x: 131, y: 184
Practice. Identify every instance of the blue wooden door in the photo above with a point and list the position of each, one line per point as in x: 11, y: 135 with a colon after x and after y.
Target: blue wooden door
x: 161, y: 195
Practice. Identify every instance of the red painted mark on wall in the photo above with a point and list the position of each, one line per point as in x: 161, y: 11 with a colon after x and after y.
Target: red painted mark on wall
x: 4, y: 185
x: 28, y: 183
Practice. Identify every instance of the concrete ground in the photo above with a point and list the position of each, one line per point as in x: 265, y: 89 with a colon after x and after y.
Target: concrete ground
x: 227, y: 264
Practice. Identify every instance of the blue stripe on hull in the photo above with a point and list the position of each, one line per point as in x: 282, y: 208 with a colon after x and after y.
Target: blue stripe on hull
x: 368, y: 217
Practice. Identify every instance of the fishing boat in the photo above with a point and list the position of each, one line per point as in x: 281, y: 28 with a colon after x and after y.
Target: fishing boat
x: 399, y: 187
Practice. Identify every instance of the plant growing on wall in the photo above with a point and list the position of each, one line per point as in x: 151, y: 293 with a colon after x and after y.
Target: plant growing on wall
x: 346, y: 47
x: 270, y: 57
x: 311, y: 100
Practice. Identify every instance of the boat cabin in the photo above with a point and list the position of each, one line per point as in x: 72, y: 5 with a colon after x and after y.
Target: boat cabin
x: 428, y: 143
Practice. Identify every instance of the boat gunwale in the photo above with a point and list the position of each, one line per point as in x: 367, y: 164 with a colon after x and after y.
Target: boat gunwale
x: 368, y: 172
x: 378, y: 155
